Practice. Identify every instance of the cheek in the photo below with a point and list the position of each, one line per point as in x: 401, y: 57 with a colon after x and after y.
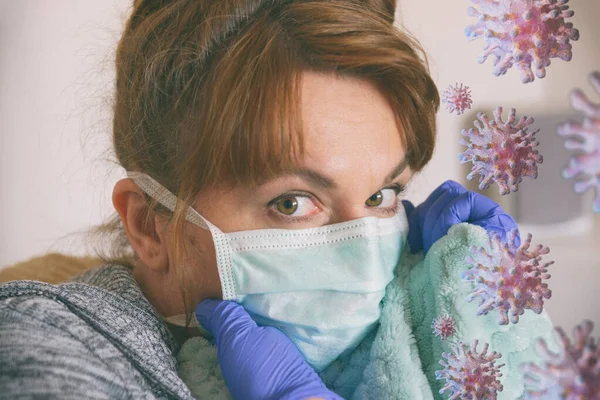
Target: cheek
x: 202, y: 276
x: 230, y: 210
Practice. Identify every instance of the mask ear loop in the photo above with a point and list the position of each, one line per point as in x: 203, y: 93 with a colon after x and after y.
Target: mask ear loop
x: 222, y: 249
x: 162, y: 195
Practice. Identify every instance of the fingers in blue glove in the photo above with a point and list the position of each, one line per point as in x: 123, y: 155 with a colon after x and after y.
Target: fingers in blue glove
x: 258, y: 362
x: 475, y: 209
x: 451, y: 204
x: 408, y: 207
x: 414, y: 233
x: 436, y: 209
x: 223, y: 317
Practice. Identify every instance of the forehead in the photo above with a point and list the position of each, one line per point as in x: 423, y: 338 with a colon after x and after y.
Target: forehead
x: 349, y: 126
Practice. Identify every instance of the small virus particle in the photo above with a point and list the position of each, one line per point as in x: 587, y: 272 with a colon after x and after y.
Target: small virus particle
x: 443, y: 326
x: 509, y: 279
x: 457, y: 98
x: 469, y: 374
x: 523, y: 33
x: 501, y: 151
x: 574, y: 374
x: 584, y: 137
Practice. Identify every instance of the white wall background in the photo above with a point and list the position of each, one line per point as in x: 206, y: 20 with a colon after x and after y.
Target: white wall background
x: 55, y: 85
x: 55, y: 75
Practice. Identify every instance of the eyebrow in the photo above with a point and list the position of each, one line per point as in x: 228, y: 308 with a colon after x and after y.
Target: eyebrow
x: 327, y: 183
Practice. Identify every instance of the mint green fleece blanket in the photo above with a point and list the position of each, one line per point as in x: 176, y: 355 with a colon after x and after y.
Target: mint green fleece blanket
x: 399, y: 359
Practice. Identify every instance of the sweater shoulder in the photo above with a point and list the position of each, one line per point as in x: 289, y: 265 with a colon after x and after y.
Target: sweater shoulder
x: 47, y: 350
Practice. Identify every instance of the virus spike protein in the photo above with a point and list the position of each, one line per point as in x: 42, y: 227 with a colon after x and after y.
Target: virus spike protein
x: 501, y: 151
x: 523, y: 33
x: 509, y: 279
x: 469, y: 374
x: 573, y: 374
x: 585, y: 138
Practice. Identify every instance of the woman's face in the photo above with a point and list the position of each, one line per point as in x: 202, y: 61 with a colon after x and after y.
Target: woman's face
x: 354, y: 166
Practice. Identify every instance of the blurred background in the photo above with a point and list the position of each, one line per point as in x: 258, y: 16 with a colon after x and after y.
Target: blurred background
x: 56, y: 174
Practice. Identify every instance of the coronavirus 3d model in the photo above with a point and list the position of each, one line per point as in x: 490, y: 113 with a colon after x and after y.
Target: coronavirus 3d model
x: 443, y: 326
x: 525, y: 34
x: 457, y: 98
x: 508, y: 279
x: 573, y: 374
x: 469, y: 374
x: 585, y: 138
x: 501, y: 151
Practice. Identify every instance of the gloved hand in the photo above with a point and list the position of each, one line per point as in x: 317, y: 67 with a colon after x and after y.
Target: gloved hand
x: 258, y: 362
x: 452, y: 204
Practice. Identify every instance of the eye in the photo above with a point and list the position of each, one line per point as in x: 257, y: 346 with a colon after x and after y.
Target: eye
x: 384, y: 198
x: 295, y: 206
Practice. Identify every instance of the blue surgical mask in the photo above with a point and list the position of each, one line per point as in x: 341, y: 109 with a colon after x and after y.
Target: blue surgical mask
x: 321, y: 286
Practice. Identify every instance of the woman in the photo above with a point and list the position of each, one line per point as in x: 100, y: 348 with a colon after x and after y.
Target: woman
x: 266, y: 124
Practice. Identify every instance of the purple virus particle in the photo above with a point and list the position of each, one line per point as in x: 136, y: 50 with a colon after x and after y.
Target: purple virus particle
x: 469, y: 374
x: 457, y: 98
x: 584, y: 137
x: 523, y: 33
x: 508, y: 279
x: 501, y: 151
x: 443, y: 326
x: 573, y: 374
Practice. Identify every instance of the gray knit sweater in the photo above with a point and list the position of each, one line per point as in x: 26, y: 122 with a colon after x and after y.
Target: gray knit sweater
x: 96, y: 337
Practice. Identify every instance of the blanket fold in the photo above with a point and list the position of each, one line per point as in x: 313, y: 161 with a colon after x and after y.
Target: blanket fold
x: 398, y: 360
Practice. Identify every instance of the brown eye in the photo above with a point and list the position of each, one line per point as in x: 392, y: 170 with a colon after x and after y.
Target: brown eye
x: 385, y: 198
x: 375, y: 200
x: 287, y: 206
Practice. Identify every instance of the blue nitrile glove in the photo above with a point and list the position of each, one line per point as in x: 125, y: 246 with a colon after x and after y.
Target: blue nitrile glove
x: 258, y: 362
x: 452, y: 204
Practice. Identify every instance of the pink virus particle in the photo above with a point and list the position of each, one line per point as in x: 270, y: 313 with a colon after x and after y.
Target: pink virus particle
x: 501, y: 151
x: 443, y: 326
x: 523, y: 33
x: 585, y: 138
x: 508, y: 279
x: 470, y: 374
x: 457, y: 98
x: 573, y: 374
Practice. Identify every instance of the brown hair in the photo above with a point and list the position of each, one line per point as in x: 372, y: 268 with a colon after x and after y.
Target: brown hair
x: 208, y: 90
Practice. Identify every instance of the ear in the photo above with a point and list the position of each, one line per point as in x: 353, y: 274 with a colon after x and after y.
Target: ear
x: 143, y: 230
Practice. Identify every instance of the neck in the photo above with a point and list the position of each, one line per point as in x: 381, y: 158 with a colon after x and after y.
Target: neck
x: 159, y: 290
x: 182, y: 333
x: 164, y: 301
